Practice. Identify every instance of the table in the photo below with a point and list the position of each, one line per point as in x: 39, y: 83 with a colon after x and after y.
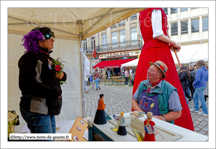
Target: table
x: 115, y: 77
x: 107, y: 134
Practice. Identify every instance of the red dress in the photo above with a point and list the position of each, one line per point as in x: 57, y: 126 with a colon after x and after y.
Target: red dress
x: 149, y: 137
x: 154, y: 50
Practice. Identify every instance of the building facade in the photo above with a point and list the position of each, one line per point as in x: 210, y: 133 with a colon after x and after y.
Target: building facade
x: 120, y: 41
x: 189, y: 28
x: 188, y: 25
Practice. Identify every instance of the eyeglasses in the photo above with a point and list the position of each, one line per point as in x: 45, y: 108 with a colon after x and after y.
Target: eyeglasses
x: 151, y: 70
x: 51, y: 38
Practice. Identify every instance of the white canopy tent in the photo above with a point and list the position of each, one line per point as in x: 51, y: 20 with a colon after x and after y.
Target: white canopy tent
x: 187, y: 54
x: 71, y: 26
x: 192, y: 53
x: 132, y: 63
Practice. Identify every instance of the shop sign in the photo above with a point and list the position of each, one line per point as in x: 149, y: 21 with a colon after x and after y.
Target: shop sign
x: 119, y: 54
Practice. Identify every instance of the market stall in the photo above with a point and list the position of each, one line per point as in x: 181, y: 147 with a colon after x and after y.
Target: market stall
x: 71, y: 26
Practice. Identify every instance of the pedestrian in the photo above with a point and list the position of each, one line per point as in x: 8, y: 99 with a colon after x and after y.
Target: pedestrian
x: 191, y: 80
x: 157, y: 95
x: 133, y: 78
x: 39, y: 82
x: 104, y: 75
x: 93, y: 72
x: 199, y: 84
x: 206, y: 90
x: 96, y: 78
x: 126, y: 77
x: 108, y: 72
x: 131, y: 72
x: 86, y: 90
x: 183, y: 77
x: 158, y: 46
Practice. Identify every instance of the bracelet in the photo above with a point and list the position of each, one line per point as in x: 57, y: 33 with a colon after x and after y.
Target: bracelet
x: 163, y: 118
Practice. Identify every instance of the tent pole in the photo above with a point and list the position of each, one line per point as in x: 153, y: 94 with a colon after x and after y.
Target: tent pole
x: 80, y: 23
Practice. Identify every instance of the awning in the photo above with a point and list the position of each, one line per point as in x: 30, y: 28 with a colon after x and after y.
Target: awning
x: 132, y: 63
x: 192, y: 53
x: 112, y: 63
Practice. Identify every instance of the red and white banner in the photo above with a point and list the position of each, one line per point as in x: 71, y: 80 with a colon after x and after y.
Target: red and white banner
x: 94, y: 53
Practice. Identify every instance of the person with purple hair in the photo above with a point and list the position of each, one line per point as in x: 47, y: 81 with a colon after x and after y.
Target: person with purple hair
x: 39, y: 83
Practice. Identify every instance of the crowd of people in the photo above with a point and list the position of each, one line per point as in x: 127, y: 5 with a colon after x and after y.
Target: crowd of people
x: 194, y: 81
x: 104, y: 75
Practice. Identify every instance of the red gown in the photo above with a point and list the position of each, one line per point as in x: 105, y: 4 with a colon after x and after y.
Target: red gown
x: 154, y: 50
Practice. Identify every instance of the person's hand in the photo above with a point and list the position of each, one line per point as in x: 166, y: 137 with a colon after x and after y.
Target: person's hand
x: 175, y: 47
x: 59, y: 75
x: 157, y: 132
x: 158, y: 117
x: 60, y: 96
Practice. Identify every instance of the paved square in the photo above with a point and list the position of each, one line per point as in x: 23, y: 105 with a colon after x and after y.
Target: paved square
x: 118, y: 99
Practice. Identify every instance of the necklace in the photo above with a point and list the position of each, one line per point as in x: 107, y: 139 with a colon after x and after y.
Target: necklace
x: 44, y: 52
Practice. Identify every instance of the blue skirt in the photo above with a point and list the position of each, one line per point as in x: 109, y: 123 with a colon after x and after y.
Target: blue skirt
x: 100, y: 117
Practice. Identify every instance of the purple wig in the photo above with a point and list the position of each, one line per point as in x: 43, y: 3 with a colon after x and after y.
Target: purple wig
x: 31, y: 41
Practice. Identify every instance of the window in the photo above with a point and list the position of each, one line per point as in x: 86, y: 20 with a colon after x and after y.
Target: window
x: 165, y: 10
x: 193, y: 8
x: 104, y: 40
x: 174, y: 10
x: 85, y: 44
x: 195, y: 25
x: 115, y: 25
x: 174, y: 28
x: 183, y: 9
x: 121, y: 23
x: 205, y: 23
x: 114, y: 38
x: 92, y: 43
x: 134, y: 35
x: 122, y: 37
x: 133, y: 16
x: 184, y: 27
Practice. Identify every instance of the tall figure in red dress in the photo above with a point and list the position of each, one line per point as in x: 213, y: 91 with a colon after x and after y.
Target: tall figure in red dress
x: 153, y: 26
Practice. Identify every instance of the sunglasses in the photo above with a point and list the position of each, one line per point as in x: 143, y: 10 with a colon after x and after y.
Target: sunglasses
x: 50, y: 36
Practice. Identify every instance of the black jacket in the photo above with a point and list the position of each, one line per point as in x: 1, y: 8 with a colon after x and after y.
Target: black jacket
x: 38, y: 84
x: 192, y: 76
x: 183, y: 77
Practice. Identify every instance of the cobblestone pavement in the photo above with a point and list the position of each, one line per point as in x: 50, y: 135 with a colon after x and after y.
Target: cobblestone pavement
x: 118, y: 99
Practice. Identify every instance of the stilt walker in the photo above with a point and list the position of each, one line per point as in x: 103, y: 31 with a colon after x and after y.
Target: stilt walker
x: 153, y: 26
